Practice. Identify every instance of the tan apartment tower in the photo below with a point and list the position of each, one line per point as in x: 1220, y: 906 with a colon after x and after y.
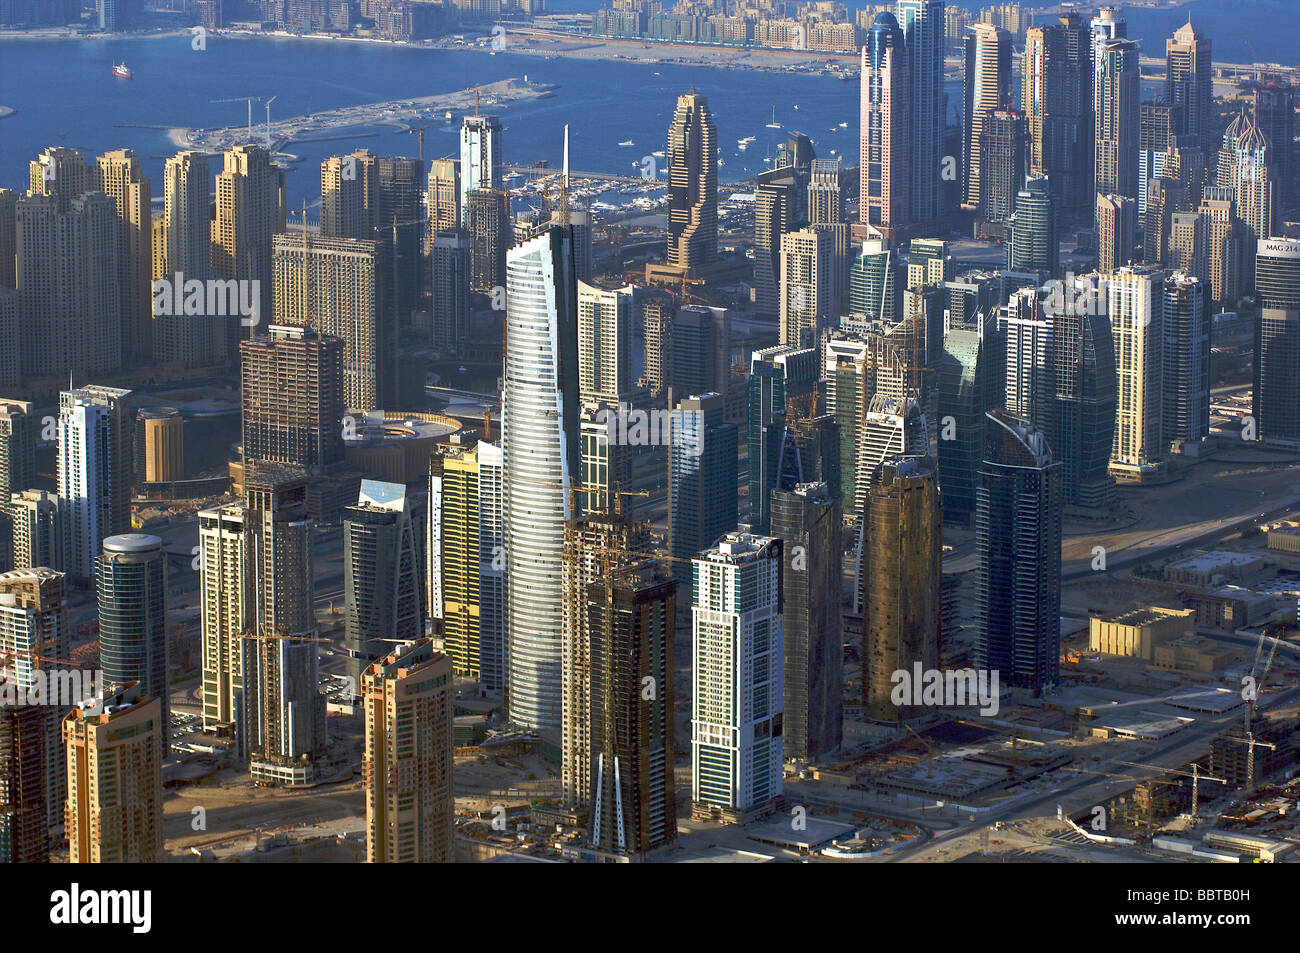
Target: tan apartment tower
x: 407, y: 763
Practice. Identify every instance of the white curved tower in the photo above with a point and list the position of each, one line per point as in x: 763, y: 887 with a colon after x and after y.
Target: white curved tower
x: 539, y: 433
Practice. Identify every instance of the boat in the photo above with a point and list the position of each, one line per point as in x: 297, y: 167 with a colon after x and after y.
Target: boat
x: 447, y: 115
x: 773, y: 124
x: 627, y: 142
x: 121, y: 71
x: 844, y: 125
x: 658, y: 152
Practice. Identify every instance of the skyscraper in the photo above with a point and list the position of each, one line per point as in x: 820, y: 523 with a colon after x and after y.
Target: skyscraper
x: 449, y: 270
x: 122, y: 179
x: 249, y: 210
x: 1116, y: 112
x: 69, y: 285
x: 692, y: 184
x: 332, y: 286
x: 703, y: 493
x: 1018, y: 540
x: 901, y: 554
x: 1274, y: 109
x: 291, y: 385
x: 18, y: 427
x: 873, y: 281
x: 775, y: 213
x: 1135, y: 303
x: 922, y: 22
x: 24, y: 813
x: 1189, y: 84
x: 885, y: 122
x: 1246, y: 166
x: 1225, y: 244
x: 701, y: 350
x: 94, y: 470
x: 443, y: 195
x: 605, y: 343
x: 1035, y: 245
x: 184, y: 246
x: 807, y: 519
x: 988, y: 87
x: 737, y: 687
x: 633, y: 799
x: 1116, y: 231
x: 383, y: 587
x: 1277, y: 341
x: 778, y: 376
x: 970, y: 384
x: 487, y: 222
x: 39, y: 530
x: 1056, y: 98
x: 1002, y: 168
x: 1157, y: 137
x: 480, y: 158
x: 1081, y: 431
x: 539, y: 434
x: 114, y: 745
x: 282, y: 724
x: 350, y: 196
x: 1186, y: 380
x: 407, y: 764
x: 131, y: 594
x: 807, y: 285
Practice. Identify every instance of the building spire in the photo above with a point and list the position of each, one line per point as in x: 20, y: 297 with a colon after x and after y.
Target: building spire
x: 562, y: 216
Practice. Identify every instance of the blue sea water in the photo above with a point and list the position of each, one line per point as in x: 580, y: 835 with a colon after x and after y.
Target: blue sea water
x: 65, y: 95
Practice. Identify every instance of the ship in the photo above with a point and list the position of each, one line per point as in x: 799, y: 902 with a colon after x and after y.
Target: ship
x: 627, y: 142
x: 773, y: 124
x: 121, y: 70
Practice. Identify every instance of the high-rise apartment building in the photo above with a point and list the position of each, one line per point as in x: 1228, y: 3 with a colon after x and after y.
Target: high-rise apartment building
x: 480, y: 158
x: 39, y: 530
x: 121, y: 178
x: 449, y: 271
x: 1056, y: 98
x: 901, y: 555
x: 775, y: 213
x: 1274, y: 110
x: 69, y: 285
x: 1157, y: 137
x: 94, y: 470
x: 183, y: 245
x: 1116, y: 231
x: 1035, y: 241
x: 807, y: 285
x: 1186, y: 374
x: 350, y: 196
x: 1002, y: 168
x: 486, y: 215
x: 24, y: 813
x: 292, y: 400
x: 703, y: 493
x: 1018, y: 541
x: 605, y: 343
x: 988, y: 87
x: 807, y: 518
x: 114, y: 745
x: 1081, y: 432
x: 633, y: 799
x: 970, y: 384
x: 922, y: 22
x: 1116, y: 114
x: 249, y: 210
x: 539, y: 436
x: 885, y: 124
x: 1189, y: 81
x: 1246, y: 166
x: 1135, y: 303
x: 332, y: 285
x: 1277, y: 341
x: 443, y: 195
x: 407, y: 764
x: 131, y: 595
x: 737, y: 688
x: 383, y: 579
x: 692, y: 184
x: 781, y: 379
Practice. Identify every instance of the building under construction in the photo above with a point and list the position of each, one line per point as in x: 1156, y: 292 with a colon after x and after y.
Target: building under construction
x: 1273, y: 745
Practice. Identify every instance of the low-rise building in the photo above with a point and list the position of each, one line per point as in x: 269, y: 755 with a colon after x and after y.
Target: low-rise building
x: 1138, y: 632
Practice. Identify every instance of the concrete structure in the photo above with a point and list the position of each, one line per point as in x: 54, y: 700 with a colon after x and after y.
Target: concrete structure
x: 1138, y: 632
x: 901, y: 556
x: 407, y: 762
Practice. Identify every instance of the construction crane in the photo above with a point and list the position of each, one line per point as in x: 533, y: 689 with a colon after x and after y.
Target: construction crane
x: 1252, y: 704
x: 1195, y: 774
x: 682, y: 295
x: 929, y: 761
x: 419, y: 131
x: 243, y: 99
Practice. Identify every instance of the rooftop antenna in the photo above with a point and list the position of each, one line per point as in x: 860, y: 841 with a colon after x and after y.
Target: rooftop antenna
x: 562, y: 216
x: 475, y: 103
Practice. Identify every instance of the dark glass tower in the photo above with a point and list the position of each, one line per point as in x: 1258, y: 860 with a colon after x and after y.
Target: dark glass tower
x: 1018, y: 540
x: 131, y: 587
